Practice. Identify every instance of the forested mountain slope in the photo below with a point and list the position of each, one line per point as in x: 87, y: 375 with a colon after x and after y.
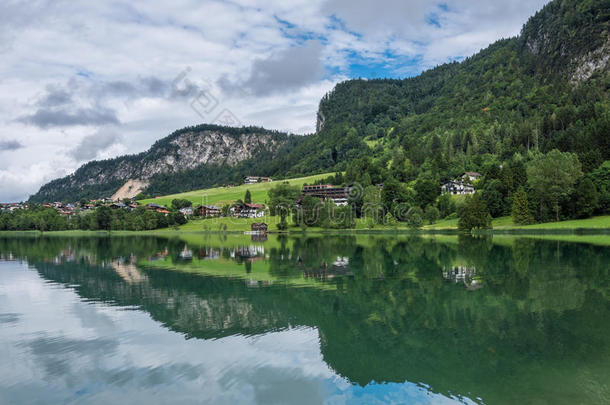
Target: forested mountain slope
x: 546, y: 89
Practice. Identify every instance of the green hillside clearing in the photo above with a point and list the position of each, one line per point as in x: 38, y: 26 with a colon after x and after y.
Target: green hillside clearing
x: 227, y: 195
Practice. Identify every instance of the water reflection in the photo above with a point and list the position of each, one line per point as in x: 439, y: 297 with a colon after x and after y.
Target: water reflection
x: 463, y: 275
x: 306, y: 319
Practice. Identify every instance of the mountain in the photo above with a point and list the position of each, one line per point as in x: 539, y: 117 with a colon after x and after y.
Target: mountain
x: 206, y: 146
x: 545, y: 89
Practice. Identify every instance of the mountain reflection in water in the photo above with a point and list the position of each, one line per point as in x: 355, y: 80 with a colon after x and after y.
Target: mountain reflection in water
x: 329, y: 319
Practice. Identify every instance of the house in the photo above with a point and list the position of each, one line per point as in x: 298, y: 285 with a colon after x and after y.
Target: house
x: 187, y: 211
x: 471, y: 176
x: 118, y: 205
x: 339, y: 195
x: 10, y: 207
x: 457, y: 188
x: 208, y: 211
x: 157, y: 208
x: 154, y: 207
x: 256, y: 179
x: 259, y: 227
x: 248, y: 211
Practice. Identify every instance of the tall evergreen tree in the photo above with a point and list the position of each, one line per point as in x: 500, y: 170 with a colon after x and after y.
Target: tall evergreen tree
x: 520, y: 209
x: 248, y: 197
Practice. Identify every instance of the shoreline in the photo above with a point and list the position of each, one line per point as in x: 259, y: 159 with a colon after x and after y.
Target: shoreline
x: 402, y: 231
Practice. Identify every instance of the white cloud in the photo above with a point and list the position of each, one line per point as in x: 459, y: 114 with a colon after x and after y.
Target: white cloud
x: 70, y: 68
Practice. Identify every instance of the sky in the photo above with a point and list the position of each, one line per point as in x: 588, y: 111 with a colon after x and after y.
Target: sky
x: 82, y: 80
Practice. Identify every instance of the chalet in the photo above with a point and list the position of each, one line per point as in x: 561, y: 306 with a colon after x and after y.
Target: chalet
x: 208, y: 211
x: 339, y: 195
x: 256, y: 179
x: 118, y: 205
x: 248, y: 211
x: 154, y: 207
x: 457, y: 188
x: 187, y: 211
x: 259, y: 227
x: 471, y: 176
x: 157, y: 208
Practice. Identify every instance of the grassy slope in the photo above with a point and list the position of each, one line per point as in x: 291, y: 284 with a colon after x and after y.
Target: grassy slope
x: 223, y: 195
x: 506, y: 223
x: 229, y: 268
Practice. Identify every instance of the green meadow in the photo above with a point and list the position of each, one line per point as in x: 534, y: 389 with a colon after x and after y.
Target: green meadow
x: 227, y: 195
x: 506, y: 223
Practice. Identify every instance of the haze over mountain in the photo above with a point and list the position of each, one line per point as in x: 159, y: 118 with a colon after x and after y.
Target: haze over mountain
x: 83, y: 81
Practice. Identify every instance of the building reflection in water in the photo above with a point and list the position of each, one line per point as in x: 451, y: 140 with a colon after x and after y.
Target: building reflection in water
x: 463, y: 274
x: 339, y: 268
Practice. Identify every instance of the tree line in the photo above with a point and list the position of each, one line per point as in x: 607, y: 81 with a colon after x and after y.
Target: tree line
x: 44, y: 219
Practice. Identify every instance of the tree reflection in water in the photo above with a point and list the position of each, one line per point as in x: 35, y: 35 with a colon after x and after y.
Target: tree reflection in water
x: 464, y: 316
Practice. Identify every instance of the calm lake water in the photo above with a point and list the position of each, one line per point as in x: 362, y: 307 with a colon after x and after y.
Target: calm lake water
x: 303, y: 320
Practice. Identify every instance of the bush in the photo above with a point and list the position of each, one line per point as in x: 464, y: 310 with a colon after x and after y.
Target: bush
x: 431, y: 214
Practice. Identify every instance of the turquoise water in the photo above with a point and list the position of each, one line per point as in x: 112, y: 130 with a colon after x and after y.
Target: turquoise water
x: 303, y: 320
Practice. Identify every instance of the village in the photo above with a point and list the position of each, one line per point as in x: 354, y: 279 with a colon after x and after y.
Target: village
x: 463, y: 185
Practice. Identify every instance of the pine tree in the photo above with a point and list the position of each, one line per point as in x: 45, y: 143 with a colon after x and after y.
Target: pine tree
x: 248, y: 197
x: 390, y: 220
x: 520, y: 209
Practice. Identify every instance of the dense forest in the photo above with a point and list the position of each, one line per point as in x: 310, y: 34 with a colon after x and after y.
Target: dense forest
x: 506, y: 106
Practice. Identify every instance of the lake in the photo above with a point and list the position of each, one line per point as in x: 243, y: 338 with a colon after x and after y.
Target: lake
x: 367, y: 319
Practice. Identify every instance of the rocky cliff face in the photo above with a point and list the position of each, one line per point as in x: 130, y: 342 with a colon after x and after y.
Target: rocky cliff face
x: 594, y: 61
x: 570, y: 37
x: 184, y: 150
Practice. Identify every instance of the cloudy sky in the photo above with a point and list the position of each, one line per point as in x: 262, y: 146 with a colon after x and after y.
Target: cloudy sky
x: 82, y: 80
